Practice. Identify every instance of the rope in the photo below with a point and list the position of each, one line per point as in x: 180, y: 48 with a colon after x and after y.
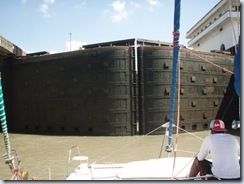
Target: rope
x: 144, y: 137
x: 174, y: 78
x: 185, y: 166
x: 178, y: 120
x: 4, y: 122
x: 218, y: 66
x: 184, y: 151
x: 16, y: 175
x: 178, y: 109
x: 190, y: 133
x: 8, y: 158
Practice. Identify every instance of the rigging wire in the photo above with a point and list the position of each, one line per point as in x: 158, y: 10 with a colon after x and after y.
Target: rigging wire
x: 218, y: 66
x: 143, y: 136
x: 123, y: 147
x: 178, y: 107
x: 185, y: 166
x: 190, y: 133
x: 178, y: 119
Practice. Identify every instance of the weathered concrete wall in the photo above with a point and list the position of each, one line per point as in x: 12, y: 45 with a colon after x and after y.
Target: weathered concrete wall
x: 96, y: 92
x: 8, y: 48
x: 86, y: 92
x: 203, y: 89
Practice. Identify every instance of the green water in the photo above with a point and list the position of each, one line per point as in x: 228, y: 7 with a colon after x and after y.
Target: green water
x: 45, y: 157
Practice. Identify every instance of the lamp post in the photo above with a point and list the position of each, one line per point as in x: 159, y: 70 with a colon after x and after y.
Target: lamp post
x: 70, y: 34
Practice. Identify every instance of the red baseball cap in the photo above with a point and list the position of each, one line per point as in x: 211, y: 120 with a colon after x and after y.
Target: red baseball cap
x: 217, y: 125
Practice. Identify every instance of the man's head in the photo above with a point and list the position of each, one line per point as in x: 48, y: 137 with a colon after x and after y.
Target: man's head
x: 217, y: 126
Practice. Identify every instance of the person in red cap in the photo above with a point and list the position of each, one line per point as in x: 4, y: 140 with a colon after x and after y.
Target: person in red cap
x: 225, y: 151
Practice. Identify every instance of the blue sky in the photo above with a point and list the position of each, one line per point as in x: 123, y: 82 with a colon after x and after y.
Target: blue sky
x: 45, y: 25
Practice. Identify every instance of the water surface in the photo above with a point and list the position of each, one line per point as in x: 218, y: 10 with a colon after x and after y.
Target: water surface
x: 45, y: 157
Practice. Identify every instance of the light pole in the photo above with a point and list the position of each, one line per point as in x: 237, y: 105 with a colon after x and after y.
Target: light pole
x: 70, y: 34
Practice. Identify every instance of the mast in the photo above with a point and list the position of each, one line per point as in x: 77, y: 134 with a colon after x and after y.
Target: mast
x: 176, y: 36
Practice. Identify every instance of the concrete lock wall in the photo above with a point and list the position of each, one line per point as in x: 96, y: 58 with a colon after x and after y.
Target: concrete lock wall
x: 203, y: 89
x: 97, y: 91
x: 86, y: 92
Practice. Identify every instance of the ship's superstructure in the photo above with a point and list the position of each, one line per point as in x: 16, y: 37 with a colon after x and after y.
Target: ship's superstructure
x: 218, y: 30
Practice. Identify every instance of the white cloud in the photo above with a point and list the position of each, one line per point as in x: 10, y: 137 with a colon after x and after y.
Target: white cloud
x: 44, y: 7
x: 74, y: 45
x: 80, y: 5
x: 135, y: 5
x: 118, y: 6
x: 120, y: 12
x: 53, y: 52
x: 49, y: 1
x: 153, y: 2
x: 118, y: 17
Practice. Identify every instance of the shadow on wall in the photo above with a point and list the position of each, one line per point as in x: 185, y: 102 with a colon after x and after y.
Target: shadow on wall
x: 229, y: 108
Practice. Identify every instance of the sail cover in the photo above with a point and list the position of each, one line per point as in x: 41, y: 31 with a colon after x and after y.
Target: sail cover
x: 176, y: 36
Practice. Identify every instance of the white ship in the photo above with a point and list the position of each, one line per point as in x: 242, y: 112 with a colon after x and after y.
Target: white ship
x: 218, y: 30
